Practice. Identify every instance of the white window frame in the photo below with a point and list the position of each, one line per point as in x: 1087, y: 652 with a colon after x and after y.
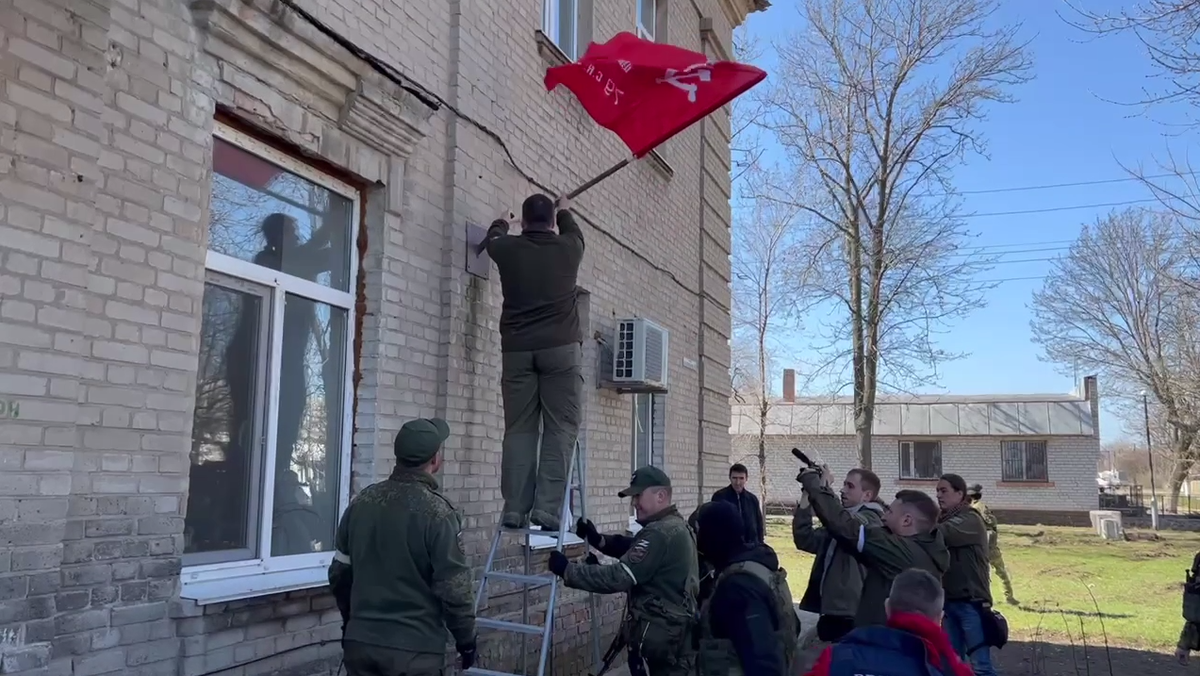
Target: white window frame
x: 551, y: 11
x: 1023, y: 445
x: 655, y: 460
x: 643, y: 31
x: 233, y: 580
x: 909, y: 473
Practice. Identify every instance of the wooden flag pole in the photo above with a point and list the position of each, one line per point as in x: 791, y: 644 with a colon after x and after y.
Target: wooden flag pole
x: 605, y: 174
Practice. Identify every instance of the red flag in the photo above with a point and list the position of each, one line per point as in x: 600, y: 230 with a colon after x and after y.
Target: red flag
x: 648, y: 92
x: 245, y: 168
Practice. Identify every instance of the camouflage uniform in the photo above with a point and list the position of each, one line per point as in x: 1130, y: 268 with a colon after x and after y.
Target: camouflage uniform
x: 399, y: 574
x: 994, y: 555
x: 658, y: 569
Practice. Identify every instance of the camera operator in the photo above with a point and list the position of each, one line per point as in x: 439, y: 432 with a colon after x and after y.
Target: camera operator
x: 907, y: 539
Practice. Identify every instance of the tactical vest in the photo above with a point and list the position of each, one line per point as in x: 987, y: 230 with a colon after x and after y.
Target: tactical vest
x: 717, y: 656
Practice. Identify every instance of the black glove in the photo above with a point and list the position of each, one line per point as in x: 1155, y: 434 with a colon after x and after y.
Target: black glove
x: 558, y: 563
x: 585, y: 529
x: 592, y: 560
x: 467, y: 654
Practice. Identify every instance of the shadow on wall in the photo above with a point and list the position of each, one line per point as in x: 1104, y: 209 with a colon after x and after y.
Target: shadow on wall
x: 1043, y: 659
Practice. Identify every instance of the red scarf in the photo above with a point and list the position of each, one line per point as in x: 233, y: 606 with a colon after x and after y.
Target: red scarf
x: 935, y: 639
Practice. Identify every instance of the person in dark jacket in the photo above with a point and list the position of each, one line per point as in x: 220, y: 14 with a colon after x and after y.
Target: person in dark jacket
x: 541, y: 343
x: 967, y: 582
x: 911, y: 644
x: 708, y: 575
x: 835, y: 583
x: 753, y: 522
x: 399, y: 575
x: 742, y: 623
x: 907, y: 539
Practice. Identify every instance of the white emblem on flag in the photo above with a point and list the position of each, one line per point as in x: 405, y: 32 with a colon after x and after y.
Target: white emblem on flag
x: 686, y: 80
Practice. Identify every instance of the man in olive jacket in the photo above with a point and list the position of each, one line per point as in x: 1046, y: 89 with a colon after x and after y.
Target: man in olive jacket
x: 399, y: 574
x: 657, y: 567
x: 907, y: 539
x: 835, y: 583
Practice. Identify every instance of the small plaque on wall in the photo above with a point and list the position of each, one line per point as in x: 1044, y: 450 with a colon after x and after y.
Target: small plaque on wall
x: 478, y: 262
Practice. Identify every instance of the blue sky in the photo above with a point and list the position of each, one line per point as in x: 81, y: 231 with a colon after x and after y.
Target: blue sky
x: 1064, y: 128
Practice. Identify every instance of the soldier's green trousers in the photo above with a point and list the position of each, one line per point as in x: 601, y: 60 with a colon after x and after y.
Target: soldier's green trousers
x: 997, y: 560
x: 541, y: 391
x: 363, y: 659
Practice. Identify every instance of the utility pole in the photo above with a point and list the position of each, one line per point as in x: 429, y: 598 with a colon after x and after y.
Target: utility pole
x: 1150, y: 457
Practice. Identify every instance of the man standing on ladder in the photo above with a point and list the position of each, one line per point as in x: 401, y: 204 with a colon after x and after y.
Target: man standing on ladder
x: 657, y: 567
x: 399, y: 574
x: 541, y: 341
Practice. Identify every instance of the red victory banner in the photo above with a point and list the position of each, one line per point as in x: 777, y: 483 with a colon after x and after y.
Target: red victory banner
x: 647, y: 92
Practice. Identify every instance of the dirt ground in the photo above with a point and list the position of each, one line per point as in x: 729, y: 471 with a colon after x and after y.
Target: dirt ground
x: 1018, y: 659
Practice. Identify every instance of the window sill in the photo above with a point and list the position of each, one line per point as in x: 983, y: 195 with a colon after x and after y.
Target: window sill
x: 1024, y: 484
x: 660, y: 164
x: 220, y: 585
x: 552, y: 53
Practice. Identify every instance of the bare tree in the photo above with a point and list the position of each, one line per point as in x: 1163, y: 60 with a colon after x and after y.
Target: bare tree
x: 765, y: 304
x: 1113, y: 305
x: 874, y: 103
x: 1168, y: 30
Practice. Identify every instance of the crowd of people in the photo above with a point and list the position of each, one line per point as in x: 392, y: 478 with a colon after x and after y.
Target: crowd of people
x: 902, y: 588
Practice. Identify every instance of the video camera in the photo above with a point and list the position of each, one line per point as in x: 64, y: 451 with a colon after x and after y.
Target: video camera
x: 804, y: 458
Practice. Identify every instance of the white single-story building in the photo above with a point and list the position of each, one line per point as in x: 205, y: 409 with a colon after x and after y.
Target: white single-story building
x: 1035, y: 455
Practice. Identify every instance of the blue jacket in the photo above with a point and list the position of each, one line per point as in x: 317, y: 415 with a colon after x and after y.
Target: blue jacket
x: 882, y: 651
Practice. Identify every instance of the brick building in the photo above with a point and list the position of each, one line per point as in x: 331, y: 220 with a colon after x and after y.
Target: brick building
x: 1034, y: 455
x: 155, y: 350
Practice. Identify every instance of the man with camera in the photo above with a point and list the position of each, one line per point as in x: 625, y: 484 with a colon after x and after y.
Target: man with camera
x: 908, y: 538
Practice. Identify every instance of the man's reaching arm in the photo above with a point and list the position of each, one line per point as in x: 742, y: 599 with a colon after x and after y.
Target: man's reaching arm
x: 804, y: 536
x: 496, y: 232
x: 567, y: 227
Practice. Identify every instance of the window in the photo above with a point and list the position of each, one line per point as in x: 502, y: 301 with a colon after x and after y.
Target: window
x: 271, y: 432
x: 1023, y: 461
x: 920, y: 459
x: 649, y: 437
x: 647, y: 19
x: 560, y: 22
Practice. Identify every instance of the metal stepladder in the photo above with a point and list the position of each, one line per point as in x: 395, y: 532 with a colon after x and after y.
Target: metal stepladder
x: 529, y: 580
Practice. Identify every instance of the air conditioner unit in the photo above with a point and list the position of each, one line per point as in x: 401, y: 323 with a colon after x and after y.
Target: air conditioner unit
x: 640, y: 354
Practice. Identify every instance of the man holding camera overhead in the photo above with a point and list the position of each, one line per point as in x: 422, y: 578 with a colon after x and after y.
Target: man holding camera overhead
x: 908, y: 538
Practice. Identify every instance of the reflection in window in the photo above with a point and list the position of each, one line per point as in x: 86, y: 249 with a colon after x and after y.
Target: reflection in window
x: 221, y: 512
x: 311, y: 392
x: 273, y: 365
x: 276, y: 219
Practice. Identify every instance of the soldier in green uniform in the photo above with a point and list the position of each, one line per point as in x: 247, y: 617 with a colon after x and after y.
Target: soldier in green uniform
x: 975, y: 493
x: 658, y: 569
x: 399, y: 574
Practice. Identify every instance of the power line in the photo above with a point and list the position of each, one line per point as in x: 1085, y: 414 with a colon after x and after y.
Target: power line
x: 1075, y: 184
x: 1053, y: 209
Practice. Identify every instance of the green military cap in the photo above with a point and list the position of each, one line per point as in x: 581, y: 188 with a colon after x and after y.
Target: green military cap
x: 419, y: 440
x: 643, y: 478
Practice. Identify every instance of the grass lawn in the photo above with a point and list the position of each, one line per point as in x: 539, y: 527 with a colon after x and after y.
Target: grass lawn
x: 1137, y: 585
